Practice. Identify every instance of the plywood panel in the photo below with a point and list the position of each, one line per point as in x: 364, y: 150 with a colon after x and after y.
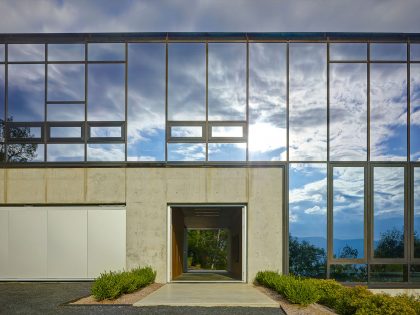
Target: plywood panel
x: 4, y: 243
x: 67, y: 243
x: 106, y: 241
x: 28, y: 243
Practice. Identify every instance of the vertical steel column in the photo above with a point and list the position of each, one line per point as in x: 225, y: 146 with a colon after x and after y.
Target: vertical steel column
x: 126, y: 102
x: 44, y: 128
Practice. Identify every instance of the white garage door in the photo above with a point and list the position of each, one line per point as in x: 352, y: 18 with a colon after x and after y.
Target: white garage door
x: 44, y: 243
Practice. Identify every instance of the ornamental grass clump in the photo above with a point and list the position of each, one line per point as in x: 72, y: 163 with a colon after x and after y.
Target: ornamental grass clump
x: 110, y: 285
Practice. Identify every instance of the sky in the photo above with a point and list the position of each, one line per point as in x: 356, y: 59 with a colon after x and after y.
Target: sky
x: 209, y: 15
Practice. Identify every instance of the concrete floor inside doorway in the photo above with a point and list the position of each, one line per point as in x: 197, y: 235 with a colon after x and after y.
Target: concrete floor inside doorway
x: 208, y: 295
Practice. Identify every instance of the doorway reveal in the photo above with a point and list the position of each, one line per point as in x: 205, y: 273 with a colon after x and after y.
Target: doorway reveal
x: 206, y: 243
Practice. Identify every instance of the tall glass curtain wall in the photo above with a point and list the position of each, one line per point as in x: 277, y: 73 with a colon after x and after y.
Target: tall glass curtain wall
x: 343, y: 118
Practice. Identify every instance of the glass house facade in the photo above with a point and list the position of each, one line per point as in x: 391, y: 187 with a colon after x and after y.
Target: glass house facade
x: 339, y: 112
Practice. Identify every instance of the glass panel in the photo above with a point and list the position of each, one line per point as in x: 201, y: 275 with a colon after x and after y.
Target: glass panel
x: 415, y: 112
x: 106, y: 52
x: 387, y: 273
x: 415, y: 52
x: 227, y: 81
x: 348, y: 51
x: 225, y: 152
x: 105, y: 132
x: 65, y: 152
x: 348, y: 212
x: 308, y: 220
x: 186, y: 152
x: 66, y: 82
x: 26, y: 92
x: 349, y: 273
x: 227, y: 131
x: 416, y: 203
x: 388, y: 51
x: 106, y: 152
x: 187, y: 81
x: 26, y: 52
x: 388, y: 206
x: 2, y: 90
x: 308, y: 102
x: 186, y: 131
x: 146, y: 102
x: 18, y: 132
x: 106, y: 92
x: 66, y: 112
x: 2, y: 153
x: 30, y: 152
x: 65, y: 132
x: 66, y: 52
x: 2, y: 53
x: 388, y: 118
x: 415, y: 273
x: 348, y: 112
x: 267, y: 102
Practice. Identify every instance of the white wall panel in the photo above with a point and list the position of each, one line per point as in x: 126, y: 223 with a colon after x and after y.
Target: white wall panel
x: 67, y: 243
x: 106, y: 241
x: 28, y: 243
x: 4, y: 242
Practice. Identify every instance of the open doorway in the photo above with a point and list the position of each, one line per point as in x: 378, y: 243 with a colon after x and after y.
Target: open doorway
x: 206, y: 243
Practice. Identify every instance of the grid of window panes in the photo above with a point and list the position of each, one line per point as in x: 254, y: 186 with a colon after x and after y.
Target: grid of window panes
x: 343, y: 117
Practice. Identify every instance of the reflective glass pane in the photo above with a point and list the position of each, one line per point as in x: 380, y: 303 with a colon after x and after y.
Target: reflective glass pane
x: 146, y: 102
x: 66, y: 82
x: 225, y: 152
x: 20, y: 132
x: 348, y: 112
x: 106, y: 52
x: 415, y: 273
x: 30, y: 152
x: 388, y: 273
x: 2, y: 152
x: 66, y: 112
x: 2, y: 91
x: 348, y: 51
x: 308, y: 102
x: 2, y: 53
x: 227, y: 81
x: 187, y: 81
x: 308, y: 219
x: 416, y: 202
x: 106, y: 152
x: 106, y: 132
x: 348, y: 212
x: 415, y: 112
x: 186, y: 152
x: 186, y: 131
x: 388, y: 112
x: 388, y: 222
x: 227, y: 131
x: 65, y: 132
x: 388, y: 51
x: 415, y: 52
x: 349, y: 273
x: 71, y: 152
x: 106, y: 92
x: 26, y: 88
x: 66, y: 52
x: 267, y: 102
x: 26, y: 52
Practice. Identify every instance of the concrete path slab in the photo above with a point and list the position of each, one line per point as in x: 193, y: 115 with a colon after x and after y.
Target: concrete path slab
x: 208, y: 295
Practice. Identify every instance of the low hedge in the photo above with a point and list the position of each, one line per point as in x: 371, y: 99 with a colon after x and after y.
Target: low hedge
x: 344, y: 300
x: 110, y: 285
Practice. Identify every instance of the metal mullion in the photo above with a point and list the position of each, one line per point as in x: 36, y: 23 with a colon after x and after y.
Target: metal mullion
x: 287, y: 100
x: 408, y: 102
x: 65, y: 102
x: 368, y: 102
x: 126, y: 103
x: 166, y: 98
x: 245, y: 132
x: 106, y: 62
x: 328, y: 101
x: 67, y: 62
x: 26, y: 62
x: 85, y: 129
x: 45, y: 100
x: 207, y: 102
x: 348, y: 61
x: 388, y: 62
x: 6, y: 100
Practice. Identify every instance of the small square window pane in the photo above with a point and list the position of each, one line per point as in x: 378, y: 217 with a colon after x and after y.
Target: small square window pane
x: 349, y: 273
x: 186, y: 152
x: 105, y: 132
x: 2, y: 49
x: 65, y: 132
x: 227, y: 132
x: 27, y: 152
x: 66, y: 82
x: 106, y: 52
x: 225, y: 152
x: 348, y: 51
x: 66, y: 112
x: 186, y: 131
x: 415, y: 273
x: 388, y: 52
x: 26, y: 52
x: 415, y: 52
x: 106, y: 152
x: 20, y: 132
x: 65, y: 152
x: 387, y: 273
x: 66, y: 52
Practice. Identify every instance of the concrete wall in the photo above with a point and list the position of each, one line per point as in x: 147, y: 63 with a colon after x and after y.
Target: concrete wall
x: 147, y: 192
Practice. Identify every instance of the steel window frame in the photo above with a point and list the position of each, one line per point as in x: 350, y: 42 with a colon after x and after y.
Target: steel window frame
x: 92, y: 139
x: 66, y: 124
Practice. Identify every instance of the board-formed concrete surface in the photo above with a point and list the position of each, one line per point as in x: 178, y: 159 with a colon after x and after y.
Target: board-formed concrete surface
x: 208, y: 295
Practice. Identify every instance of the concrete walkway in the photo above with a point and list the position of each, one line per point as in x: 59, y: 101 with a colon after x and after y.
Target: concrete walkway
x: 208, y: 295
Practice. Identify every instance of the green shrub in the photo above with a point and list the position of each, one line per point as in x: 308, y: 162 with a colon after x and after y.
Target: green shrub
x: 300, y: 291
x: 110, y: 285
